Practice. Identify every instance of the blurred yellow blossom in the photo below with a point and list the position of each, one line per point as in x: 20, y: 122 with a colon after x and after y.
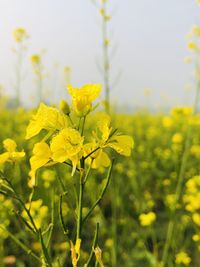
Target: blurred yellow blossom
x: 183, y: 258
x: 35, y: 59
x: 167, y: 121
x: 196, y: 30
x: 196, y: 237
x: 20, y: 34
x: 177, y: 138
x: 181, y: 111
x: 192, y: 45
x: 11, y: 155
x: 147, y: 219
x: 196, y: 218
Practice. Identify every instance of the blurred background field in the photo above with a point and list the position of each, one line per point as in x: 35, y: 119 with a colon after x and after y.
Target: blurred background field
x: 146, y: 56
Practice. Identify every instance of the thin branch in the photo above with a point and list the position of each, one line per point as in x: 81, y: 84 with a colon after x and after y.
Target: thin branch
x: 102, y: 192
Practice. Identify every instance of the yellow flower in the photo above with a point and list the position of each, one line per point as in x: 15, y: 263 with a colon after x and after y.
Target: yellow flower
x: 196, y: 218
x: 182, y: 111
x: 41, y: 155
x: 48, y: 176
x: 147, y: 219
x: 104, y: 138
x: 195, y: 150
x: 20, y: 34
x: 196, y: 30
x: 192, y: 197
x: 177, y: 138
x: 167, y: 122
x: 98, y: 159
x: 183, y: 258
x: 196, y: 237
x: 98, y: 255
x: 123, y: 144
x: 67, y: 145
x: 47, y: 118
x: 35, y: 59
x: 11, y: 154
x: 82, y: 98
x: 192, y: 45
x: 75, y: 252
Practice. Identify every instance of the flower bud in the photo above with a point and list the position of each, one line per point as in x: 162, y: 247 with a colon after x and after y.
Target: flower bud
x: 64, y: 107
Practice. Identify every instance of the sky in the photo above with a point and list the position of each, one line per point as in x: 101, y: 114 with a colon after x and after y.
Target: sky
x: 148, y: 37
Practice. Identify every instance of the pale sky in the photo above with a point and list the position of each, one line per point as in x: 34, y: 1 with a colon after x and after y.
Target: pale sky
x: 150, y: 36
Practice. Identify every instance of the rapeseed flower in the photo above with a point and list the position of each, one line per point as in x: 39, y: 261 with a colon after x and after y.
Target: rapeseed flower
x: 20, y: 34
x: 47, y: 118
x: 97, y: 159
x: 147, y: 219
x: 75, y: 252
x: 35, y: 59
x: 192, y: 194
x: 11, y: 155
x: 192, y: 45
x: 181, y: 111
x: 177, y: 138
x: 67, y: 145
x: 83, y: 97
x: 122, y: 144
x: 183, y: 258
x: 196, y: 237
x: 196, y: 218
x: 196, y: 30
x: 41, y: 156
x: 104, y: 138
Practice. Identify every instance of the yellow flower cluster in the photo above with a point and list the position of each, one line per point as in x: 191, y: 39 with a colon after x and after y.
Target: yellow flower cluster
x: 20, y: 34
x: 183, y: 258
x: 35, y: 59
x: 147, y: 219
x: 11, y: 155
x: 64, y: 140
x: 192, y: 195
x: 181, y: 111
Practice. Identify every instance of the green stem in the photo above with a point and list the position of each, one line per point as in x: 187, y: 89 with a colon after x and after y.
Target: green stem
x: 44, y: 250
x: 1, y: 252
x: 52, y: 218
x: 101, y: 194
x: 105, y: 59
x: 80, y: 202
x: 83, y: 125
x: 18, y: 73
x: 61, y: 216
x: 19, y: 243
x: 114, y: 192
x: 93, y: 245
